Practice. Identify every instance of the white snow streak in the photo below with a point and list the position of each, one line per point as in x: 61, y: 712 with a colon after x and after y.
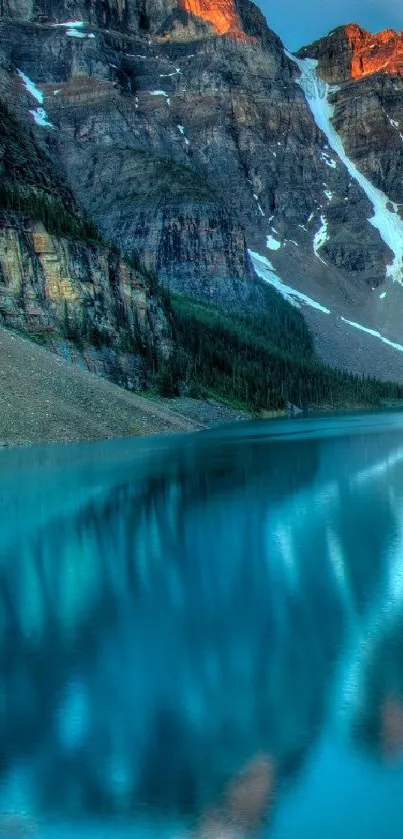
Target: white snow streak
x: 387, y: 222
x: 41, y: 118
x: 320, y: 238
x: 265, y: 271
x: 39, y: 114
x: 168, y: 75
x: 159, y: 93
x: 181, y: 128
x: 374, y: 333
x: 70, y: 24
x: 381, y: 296
x: 74, y: 33
x: 259, y: 206
x: 31, y: 87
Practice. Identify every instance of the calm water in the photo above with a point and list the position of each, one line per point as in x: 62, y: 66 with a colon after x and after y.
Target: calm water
x: 205, y: 630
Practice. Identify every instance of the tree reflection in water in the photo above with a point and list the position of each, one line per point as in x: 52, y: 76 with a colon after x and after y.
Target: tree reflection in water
x: 170, y: 646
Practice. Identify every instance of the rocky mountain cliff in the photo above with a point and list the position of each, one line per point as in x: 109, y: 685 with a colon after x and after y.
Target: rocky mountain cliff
x: 59, y: 283
x: 367, y: 106
x: 189, y: 135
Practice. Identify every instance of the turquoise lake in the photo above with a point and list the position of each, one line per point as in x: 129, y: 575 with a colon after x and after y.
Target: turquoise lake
x: 174, y: 611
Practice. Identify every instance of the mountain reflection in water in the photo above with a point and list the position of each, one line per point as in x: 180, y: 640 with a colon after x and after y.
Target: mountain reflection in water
x: 203, y: 636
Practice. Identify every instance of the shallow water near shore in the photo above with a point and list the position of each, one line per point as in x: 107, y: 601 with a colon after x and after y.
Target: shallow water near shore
x: 172, y: 610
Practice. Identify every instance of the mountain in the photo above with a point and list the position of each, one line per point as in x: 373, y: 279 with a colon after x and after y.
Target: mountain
x: 189, y: 137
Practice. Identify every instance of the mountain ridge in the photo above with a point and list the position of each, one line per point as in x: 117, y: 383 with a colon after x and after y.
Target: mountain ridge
x: 188, y: 138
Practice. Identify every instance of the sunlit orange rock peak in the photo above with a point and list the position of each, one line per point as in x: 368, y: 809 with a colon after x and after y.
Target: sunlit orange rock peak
x: 379, y: 53
x: 222, y: 14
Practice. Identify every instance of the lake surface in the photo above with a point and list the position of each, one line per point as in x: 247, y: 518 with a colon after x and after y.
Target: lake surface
x: 203, y: 630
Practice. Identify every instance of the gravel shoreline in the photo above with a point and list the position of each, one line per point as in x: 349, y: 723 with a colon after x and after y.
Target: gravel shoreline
x: 46, y: 399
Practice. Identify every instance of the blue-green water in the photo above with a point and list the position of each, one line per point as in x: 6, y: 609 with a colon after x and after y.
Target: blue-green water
x: 174, y: 610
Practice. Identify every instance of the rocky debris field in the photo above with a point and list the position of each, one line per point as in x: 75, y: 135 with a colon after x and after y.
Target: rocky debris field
x: 46, y: 399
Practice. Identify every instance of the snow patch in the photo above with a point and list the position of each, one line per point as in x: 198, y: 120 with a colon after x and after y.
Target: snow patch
x: 320, y: 238
x: 389, y: 225
x: 74, y: 33
x: 328, y: 160
x: 383, y: 295
x: 265, y: 271
x: 273, y: 244
x: 181, y: 128
x: 39, y: 114
x: 41, y: 118
x: 328, y: 193
x: 31, y: 87
x: 70, y: 24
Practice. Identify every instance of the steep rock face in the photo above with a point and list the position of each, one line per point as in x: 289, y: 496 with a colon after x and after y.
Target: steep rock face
x: 183, y: 132
x: 350, y: 52
x: 179, y: 19
x: 85, y: 302
x: 379, y: 53
x: 368, y: 109
x: 176, y: 144
x: 223, y: 17
x: 58, y: 282
x: 334, y: 54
